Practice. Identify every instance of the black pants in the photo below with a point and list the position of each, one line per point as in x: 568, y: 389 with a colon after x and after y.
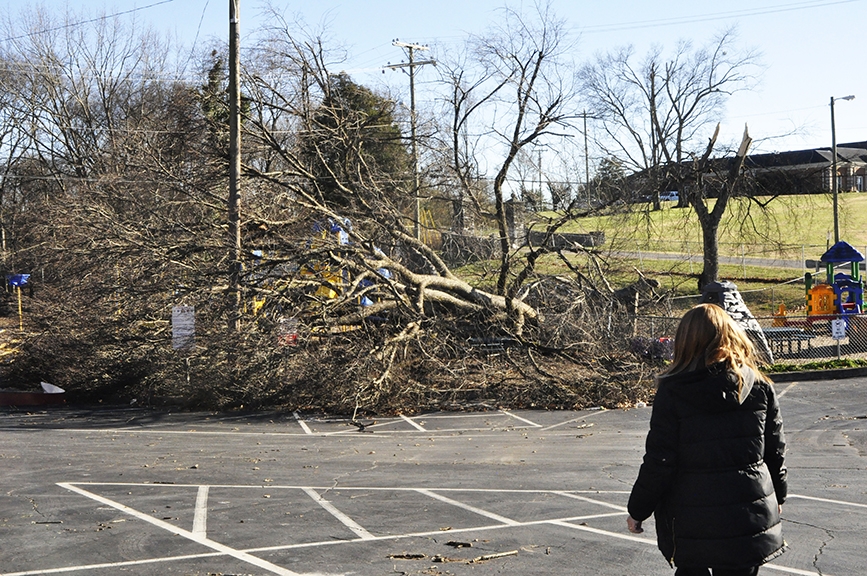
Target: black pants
x: 684, y: 571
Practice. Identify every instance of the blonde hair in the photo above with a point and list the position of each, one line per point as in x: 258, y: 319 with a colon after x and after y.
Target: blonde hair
x: 707, y: 335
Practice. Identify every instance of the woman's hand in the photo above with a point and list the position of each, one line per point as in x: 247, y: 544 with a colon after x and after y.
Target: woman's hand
x: 634, y: 525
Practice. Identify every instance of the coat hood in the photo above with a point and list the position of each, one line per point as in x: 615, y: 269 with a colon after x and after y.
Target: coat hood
x: 715, y: 388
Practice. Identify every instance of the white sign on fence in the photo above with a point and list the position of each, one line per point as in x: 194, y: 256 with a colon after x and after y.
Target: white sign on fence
x: 183, y: 327
x: 838, y: 329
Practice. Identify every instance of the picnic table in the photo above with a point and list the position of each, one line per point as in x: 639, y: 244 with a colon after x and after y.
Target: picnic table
x: 780, y: 337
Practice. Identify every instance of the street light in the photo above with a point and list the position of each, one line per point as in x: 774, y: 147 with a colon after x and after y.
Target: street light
x: 834, y: 165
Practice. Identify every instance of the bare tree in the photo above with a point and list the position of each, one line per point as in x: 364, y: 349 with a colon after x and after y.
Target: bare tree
x: 467, y: 94
x: 13, y: 147
x: 522, y: 95
x: 658, y: 114
x: 717, y: 180
x: 118, y: 209
x: 381, y: 214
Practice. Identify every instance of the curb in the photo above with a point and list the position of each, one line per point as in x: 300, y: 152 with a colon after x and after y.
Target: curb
x: 812, y: 375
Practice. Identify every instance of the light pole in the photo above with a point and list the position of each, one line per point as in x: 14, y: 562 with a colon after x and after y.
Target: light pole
x: 834, y: 166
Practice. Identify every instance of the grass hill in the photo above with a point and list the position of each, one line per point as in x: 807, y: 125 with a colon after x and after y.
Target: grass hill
x: 781, y: 227
x: 788, y: 228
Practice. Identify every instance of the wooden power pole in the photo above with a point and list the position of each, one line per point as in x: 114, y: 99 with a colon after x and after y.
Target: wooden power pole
x: 411, y: 48
x: 234, y: 170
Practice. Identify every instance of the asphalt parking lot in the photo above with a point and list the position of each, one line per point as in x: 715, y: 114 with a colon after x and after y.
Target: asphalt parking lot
x: 131, y: 491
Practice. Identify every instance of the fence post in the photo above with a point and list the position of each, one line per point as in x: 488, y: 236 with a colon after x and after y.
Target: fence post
x: 838, y: 349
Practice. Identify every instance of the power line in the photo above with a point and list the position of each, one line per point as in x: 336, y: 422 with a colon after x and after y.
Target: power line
x: 82, y: 22
x: 673, y: 21
x: 94, y: 74
x: 198, y: 31
x: 111, y: 179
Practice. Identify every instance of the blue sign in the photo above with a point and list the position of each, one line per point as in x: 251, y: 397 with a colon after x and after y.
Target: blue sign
x: 18, y: 280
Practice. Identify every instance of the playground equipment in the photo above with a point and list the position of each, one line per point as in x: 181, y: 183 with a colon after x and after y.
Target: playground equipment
x: 332, y: 281
x: 841, y: 294
x: 839, y: 298
x: 335, y: 281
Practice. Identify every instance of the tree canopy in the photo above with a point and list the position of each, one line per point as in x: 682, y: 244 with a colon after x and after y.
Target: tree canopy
x: 370, y: 140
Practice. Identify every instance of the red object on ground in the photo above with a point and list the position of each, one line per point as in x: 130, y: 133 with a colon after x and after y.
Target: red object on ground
x: 21, y: 398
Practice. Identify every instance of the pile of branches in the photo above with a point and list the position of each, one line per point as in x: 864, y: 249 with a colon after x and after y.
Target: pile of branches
x: 573, y: 355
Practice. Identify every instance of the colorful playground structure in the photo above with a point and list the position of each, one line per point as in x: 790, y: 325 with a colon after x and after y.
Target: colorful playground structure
x: 841, y: 296
x: 335, y: 281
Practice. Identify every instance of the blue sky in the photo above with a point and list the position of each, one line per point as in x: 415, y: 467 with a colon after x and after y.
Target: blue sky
x: 812, y: 50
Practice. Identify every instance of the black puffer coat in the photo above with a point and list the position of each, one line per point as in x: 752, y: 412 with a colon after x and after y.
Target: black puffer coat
x: 713, y: 473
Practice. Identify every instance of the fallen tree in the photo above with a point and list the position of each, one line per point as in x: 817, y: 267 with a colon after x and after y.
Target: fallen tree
x: 345, y: 309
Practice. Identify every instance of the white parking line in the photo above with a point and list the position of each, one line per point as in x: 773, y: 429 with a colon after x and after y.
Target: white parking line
x: 199, y: 524
x: 591, y: 500
x: 346, y: 520
x: 485, y: 513
x: 301, y: 423
x: 200, y: 517
x: 789, y: 387
x: 603, y: 532
x: 567, y: 524
x: 437, y: 532
x: 306, y: 430
x: 828, y: 501
x: 413, y: 423
x: 437, y: 433
x: 282, y: 547
x: 770, y: 566
x: 533, y: 424
x: 582, y: 417
x: 163, y: 432
x: 364, y: 488
x: 242, y: 556
x: 105, y: 565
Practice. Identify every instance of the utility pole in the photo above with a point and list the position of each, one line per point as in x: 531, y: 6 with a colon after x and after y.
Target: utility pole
x: 234, y: 170
x: 586, y: 163
x: 411, y: 48
x: 541, y: 203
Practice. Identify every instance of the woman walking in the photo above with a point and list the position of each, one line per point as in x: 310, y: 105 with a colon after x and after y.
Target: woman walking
x: 713, y: 473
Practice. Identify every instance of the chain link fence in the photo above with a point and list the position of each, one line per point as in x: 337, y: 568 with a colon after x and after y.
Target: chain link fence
x: 792, y: 339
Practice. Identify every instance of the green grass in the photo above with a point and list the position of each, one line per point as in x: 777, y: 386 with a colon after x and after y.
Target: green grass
x: 789, y: 227
x: 786, y: 227
x: 819, y: 365
x: 763, y: 289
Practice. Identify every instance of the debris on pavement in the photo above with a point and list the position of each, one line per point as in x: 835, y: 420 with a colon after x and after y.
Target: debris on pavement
x: 493, y: 556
